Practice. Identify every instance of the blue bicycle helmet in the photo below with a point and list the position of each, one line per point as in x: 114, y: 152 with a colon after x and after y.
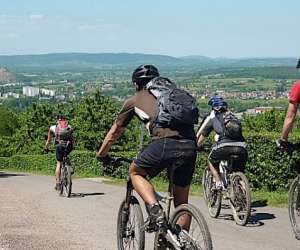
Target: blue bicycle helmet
x: 217, y: 102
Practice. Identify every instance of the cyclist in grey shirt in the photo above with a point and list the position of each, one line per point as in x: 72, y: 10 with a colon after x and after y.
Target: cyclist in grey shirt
x: 227, y: 144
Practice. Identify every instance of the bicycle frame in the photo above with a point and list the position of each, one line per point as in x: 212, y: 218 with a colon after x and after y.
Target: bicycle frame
x: 165, y: 199
x: 225, y: 169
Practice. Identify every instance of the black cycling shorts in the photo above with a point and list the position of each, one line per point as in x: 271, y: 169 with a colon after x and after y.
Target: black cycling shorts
x: 166, y: 153
x: 61, y: 149
x: 224, y: 153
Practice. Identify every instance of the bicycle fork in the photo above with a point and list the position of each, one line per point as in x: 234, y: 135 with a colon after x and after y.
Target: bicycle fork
x: 125, y: 211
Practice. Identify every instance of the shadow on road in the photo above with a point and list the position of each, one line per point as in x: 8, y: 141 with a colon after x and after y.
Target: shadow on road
x: 259, y: 203
x: 256, y: 219
x: 81, y: 195
x: 6, y: 175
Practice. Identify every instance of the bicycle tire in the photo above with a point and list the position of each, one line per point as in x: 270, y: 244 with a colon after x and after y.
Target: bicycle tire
x: 195, y: 213
x: 61, y: 181
x: 293, y: 193
x: 68, y: 187
x: 134, y: 209
x: 66, y: 181
x: 240, y: 218
x: 213, y: 197
x: 205, y: 184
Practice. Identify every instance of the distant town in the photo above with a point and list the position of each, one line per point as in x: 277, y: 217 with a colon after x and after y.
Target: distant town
x: 251, y: 90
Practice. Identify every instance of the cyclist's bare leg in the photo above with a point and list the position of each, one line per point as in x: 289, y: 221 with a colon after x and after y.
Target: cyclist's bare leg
x: 141, y: 185
x: 181, y: 196
x: 57, y: 172
x: 214, y: 172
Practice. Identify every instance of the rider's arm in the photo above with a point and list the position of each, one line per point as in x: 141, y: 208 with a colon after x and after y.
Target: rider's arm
x: 200, y: 140
x: 205, y: 129
x: 123, y: 119
x: 113, y: 134
x: 48, y: 142
x: 294, y: 99
x: 289, y: 120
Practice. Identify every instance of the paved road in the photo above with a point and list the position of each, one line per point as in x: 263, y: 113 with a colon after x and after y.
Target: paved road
x: 33, y: 216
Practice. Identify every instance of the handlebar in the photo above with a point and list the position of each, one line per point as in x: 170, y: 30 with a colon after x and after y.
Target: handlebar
x: 288, y: 146
x: 205, y: 149
x: 114, y: 163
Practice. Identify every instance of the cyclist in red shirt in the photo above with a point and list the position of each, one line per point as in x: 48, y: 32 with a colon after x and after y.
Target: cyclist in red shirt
x: 294, y: 100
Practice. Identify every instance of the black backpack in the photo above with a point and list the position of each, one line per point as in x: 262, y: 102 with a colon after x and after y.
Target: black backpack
x: 232, y: 127
x: 176, y: 107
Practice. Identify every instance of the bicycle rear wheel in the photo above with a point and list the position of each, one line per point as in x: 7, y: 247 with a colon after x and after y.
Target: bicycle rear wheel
x: 194, y: 233
x: 294, y: 207
x: 213, y: 197
x: 130, y: 231
x: 66, y: 181
x: 240, y: 200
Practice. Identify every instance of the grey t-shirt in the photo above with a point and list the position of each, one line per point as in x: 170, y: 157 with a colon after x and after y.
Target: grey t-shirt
x: 215, y: 122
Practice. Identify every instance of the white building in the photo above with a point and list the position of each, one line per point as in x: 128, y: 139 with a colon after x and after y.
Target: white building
x: 107, y: 87
x: 10, y: 94
x: 31, y: 91
x: 48, y: 92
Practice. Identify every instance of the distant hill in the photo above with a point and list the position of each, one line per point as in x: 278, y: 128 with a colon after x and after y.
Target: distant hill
x: 84, y: 59
x: 99, y: 60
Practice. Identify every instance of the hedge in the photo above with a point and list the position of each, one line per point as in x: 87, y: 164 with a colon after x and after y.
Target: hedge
x: 267, y: 167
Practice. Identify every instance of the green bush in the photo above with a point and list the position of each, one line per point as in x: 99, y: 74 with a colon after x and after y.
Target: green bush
x: 84, y: 162
x: 267, y: 167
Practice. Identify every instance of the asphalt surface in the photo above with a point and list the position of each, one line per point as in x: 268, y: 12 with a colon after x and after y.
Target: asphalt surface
x: 33, y: 216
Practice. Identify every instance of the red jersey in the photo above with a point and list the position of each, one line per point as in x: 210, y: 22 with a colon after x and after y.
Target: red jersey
x: 295, y: 93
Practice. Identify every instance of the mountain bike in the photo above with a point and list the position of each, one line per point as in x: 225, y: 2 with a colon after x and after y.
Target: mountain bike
x: 294, y: 195
x: 236, y: 191
x: 294, y: 206
x: 131, y: 226
x: 66, y: 172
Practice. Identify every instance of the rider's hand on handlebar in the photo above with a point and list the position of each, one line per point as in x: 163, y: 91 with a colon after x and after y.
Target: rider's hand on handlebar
x: 200, y: 148
x: 106, y: 160
x: 283, y: 144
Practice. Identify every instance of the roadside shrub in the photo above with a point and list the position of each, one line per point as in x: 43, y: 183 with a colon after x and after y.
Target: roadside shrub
x: 267, y: 167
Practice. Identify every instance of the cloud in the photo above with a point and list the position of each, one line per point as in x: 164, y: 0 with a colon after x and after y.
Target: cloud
x: 105, y: 27
x: 36, y: 17
x: 88, y: 27
x: 9, y: 35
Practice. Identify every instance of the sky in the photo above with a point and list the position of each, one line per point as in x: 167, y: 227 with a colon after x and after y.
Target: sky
x: 215, y: 28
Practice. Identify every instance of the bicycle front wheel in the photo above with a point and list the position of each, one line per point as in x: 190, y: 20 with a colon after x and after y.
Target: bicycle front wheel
x: 66, y: 181
x: 294, y: 207
x: 194, y: 233
x: 213, y: 197
x: 240, y: 200
x: 130, y: 231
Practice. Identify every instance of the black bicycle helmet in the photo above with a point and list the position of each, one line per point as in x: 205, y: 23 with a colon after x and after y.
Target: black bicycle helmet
x: 61, y: 117
x: 144, y: 72
x: 298, y: 65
